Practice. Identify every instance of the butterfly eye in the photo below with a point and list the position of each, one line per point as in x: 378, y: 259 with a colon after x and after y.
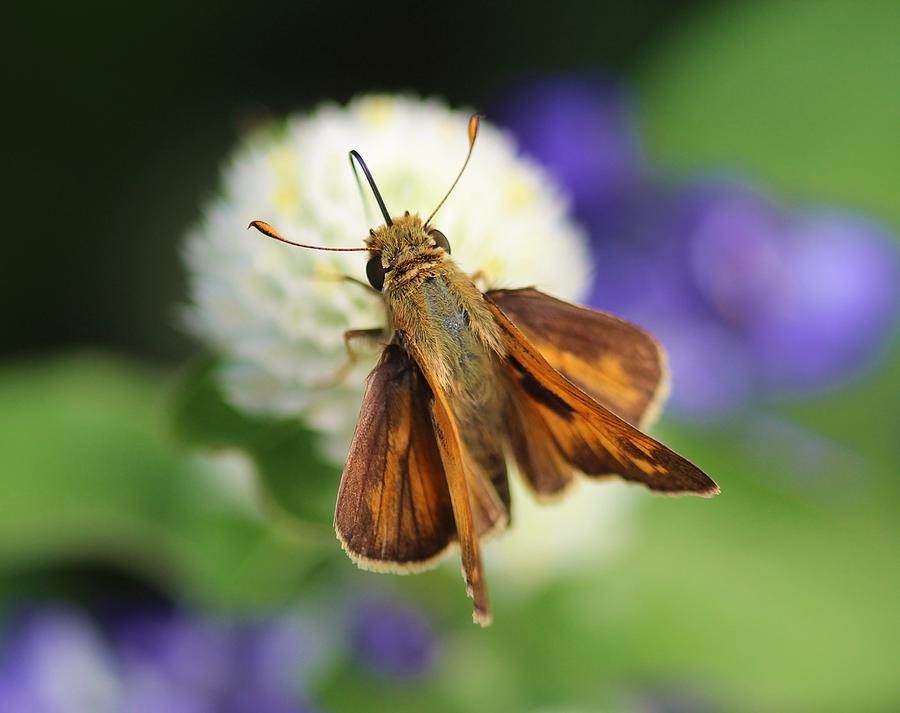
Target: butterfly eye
x: 440, y: 239
x: 375, y: 272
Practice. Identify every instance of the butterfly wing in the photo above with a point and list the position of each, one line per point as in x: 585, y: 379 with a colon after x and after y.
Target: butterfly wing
x: 618, y: 364
x: 405, y: 492
x: 563, y: 424
x: 541, y: 463
x: 462, y: 482
x: 394, y: 511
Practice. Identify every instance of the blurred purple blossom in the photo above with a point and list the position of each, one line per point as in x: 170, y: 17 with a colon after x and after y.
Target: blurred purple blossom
x: 751, y: 299
x: 392, y: 640
x: 670, y: 697
x: 56, y: 660
x: 584, y: 131
x: 211, y: 664
x: 837, y: 299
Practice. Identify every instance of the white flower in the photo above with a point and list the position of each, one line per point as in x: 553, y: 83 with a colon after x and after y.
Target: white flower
x: 277, y: 314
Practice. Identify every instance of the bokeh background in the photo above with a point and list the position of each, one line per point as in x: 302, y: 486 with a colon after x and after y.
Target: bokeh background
x: 737, y: 166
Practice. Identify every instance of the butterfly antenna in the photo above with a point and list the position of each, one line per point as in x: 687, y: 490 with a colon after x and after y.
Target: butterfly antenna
x: 362, y: 191
x: 473, y: 132
x: 362, y: 165
x: 268, y: 230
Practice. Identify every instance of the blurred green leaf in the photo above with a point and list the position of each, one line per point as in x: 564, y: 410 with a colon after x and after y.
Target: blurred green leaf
x: 293, y: 473
x: 83, y: 457
x: 353, y: 688
x: 803, y: 95
x: 89, y: 472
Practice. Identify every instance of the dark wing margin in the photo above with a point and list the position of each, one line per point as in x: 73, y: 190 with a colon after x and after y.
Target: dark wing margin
x: 394, y: 512
x: 618, y: 364
x: 587, y: 435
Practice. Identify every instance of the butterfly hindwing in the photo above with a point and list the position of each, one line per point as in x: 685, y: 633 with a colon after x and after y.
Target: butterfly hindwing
x: 542, y: 465
x: 394, y: 511
x: 585, y: 433
x: 617, y: 363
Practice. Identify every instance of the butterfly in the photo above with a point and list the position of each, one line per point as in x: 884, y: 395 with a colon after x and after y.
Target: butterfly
x: 468, y: 378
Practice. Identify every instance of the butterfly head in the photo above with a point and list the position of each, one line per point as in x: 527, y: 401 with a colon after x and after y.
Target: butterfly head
x: 403, y: 250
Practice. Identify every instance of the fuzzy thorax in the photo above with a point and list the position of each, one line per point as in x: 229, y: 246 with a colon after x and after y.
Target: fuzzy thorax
x: 429, y: 299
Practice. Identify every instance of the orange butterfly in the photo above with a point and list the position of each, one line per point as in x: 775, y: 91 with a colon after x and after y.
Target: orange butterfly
x: 468, y: 376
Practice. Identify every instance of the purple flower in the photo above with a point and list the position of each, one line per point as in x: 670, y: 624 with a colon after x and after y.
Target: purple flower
x: 173, y: 662
x: 711, y: 373
x: 175, y: 651
x: 811, y: 296
x: 751, y: 299
x: 838, y: 300
x: 391, y: 640
x: 734, y: 243
x: 57, y: 660
x: 54, y: 661
x: 584, y: 132
x: 642, y: 265
x: 273, y: 651
x: 670, y: 697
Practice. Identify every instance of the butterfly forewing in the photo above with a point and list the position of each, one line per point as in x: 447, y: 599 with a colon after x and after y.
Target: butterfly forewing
x: 588, y: 435
x: 394, y: 511
x: 618, y: 364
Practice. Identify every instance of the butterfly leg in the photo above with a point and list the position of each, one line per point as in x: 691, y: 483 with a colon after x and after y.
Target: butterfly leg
x: 479, y: 275
x: 365, y: 285
x: 373, y: 336
x: 347, y: 278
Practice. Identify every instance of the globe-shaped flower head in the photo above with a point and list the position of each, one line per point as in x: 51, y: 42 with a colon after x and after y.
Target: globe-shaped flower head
x: 276, y: 314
